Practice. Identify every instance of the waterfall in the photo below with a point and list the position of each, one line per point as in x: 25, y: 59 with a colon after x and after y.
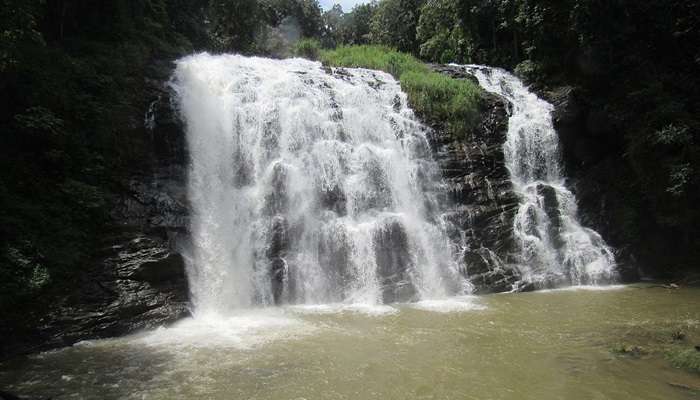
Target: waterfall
x: 554, y: 249
x: 308, y: 185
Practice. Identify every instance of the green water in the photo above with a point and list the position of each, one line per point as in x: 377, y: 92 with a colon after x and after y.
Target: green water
x: 545, y: 345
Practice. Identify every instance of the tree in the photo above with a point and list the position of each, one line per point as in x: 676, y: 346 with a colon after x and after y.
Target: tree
x: 333, y: 26
x: 356, y: 24
x: 394, y: 24
x: 440, y: 33
x: 19, y: 20
x: 235, y: 24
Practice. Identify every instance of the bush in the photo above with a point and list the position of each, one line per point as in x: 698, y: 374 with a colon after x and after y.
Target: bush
x: 432, y: 95
x: 307, y: 48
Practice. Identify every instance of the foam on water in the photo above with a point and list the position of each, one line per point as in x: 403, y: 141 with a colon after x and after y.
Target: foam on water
x: 375, y: 310
x: 590, y: 288
x: 450, y: 305
x: 246, y: 330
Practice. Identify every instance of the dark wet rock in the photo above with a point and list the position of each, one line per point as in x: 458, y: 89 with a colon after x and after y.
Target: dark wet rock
x: 170, y: 268
x: 8, y: 396
x: 11, y: 396
x: 278, y: 276
x: 334, y: 199
x: 486, y: 272
x: 137, y: 278
x: 279, y: 238
x: 278, y: 245
x: 394, y: 263
x: 457, y: 73
x: 552, y: 209
x: 277, y: 201
x: 481, y: 197
x: 588, y: 143
x: 142, y: 285
x: 583, y: 130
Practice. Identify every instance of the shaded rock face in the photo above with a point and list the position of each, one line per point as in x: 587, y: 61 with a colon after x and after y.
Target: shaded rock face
x: 394, y: 262
x: 589, y: 146
x: 141, y: 285
x: 482, y: 204
x: 137, y: 280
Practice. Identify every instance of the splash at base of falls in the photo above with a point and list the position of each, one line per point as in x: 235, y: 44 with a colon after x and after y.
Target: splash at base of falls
x: 554, y: 248
x: 308, y: 186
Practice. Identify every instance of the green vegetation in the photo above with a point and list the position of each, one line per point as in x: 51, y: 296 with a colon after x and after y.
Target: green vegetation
x: 628, y: 350
x: 260, y: 27
x: 307, y: 48
x: 436, y: 97
x: 670, y: 340
x: 688, y: 359
x: 72, y: 79
x: 374, y: 57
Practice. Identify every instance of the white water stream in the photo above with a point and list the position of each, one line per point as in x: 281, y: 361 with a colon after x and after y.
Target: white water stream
x: 555, y: 249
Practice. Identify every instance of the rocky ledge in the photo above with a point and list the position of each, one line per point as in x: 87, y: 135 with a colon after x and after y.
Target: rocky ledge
x: 481, y: 203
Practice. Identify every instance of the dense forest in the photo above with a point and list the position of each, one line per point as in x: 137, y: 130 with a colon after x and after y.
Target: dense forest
x: 72, y: 75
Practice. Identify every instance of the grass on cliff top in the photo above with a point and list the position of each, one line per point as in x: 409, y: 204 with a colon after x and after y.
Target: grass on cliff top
x: 435, y: 97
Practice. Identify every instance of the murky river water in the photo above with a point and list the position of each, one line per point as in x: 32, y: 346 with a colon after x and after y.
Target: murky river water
x: 544, y: 345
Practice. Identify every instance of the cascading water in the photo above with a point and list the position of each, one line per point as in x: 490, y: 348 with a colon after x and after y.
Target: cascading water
x: 308, y: 186
x: 554, y: 248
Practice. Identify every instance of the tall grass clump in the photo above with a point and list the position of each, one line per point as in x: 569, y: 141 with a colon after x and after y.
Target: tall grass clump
x: 435, y: 97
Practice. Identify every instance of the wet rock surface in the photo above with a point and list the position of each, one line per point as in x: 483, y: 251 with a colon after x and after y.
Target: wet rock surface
x: 137, y: 278
x: 141, y: 285
x: 482, y: 203
x: 394, y: 263
x: 588, y: 144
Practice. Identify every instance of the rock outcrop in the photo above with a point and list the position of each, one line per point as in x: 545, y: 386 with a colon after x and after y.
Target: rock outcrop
x: 137, y: 279
x: 481, y: 203
x: 587, y: 145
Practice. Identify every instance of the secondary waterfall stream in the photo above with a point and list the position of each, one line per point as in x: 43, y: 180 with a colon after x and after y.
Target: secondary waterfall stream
x: 554, y: 248
x: 308, y: 187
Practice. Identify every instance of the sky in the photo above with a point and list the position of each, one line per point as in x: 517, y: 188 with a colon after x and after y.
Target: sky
x: 347, y: 4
